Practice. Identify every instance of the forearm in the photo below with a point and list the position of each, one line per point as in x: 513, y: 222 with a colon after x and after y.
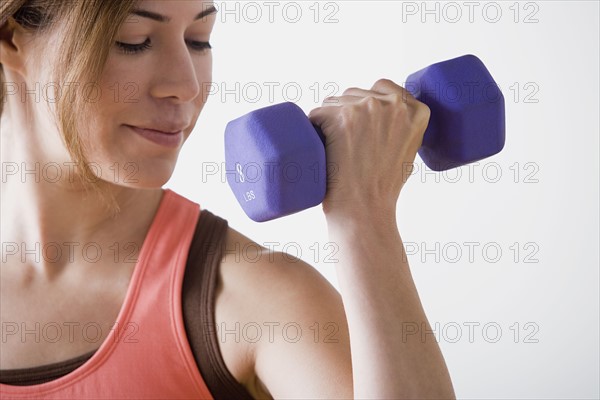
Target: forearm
x: 381, y: 303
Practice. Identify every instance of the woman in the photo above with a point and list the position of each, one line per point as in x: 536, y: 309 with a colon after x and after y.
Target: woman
x: 98, y: 99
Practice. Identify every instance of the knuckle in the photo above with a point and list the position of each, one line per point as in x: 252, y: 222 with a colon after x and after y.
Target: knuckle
x: 350, y: 90
x: 424, y: 114
x: 372, y: 103
x: 400, y: 110
x: 330, y: 100
x: 397, y: 97
x: 347, y: 112
x: 399, y: 100
x: 424, y: 110
x: 408, y: 97
x: 421, y: 111
x: 382, y: 82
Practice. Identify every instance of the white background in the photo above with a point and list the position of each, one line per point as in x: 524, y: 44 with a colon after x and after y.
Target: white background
x: 542, y: 292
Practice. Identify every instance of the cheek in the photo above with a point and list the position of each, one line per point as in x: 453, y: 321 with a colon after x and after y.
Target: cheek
x: 98, y: 135
x: 121, y: 87
x: 102, y: 125
x: 112, y: 101
x: 113, y: 152
x: 121, y: 83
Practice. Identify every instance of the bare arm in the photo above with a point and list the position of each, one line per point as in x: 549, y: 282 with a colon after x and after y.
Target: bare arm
x: 361, y: 351
x: 372, y: 139
x: 381, y: 302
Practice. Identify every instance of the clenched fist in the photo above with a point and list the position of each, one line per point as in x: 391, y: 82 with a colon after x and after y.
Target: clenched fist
x: 372, y: 137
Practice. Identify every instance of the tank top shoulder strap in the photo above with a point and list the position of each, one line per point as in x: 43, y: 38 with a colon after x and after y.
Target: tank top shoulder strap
x: 199, y: 295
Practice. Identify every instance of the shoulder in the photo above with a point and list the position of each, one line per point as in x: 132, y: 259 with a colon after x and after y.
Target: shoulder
x: 285, y: 319
x: 281, y: 284
x: 250, y: 268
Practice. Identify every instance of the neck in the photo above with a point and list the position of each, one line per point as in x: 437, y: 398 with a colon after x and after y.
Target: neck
x: 49, y: 224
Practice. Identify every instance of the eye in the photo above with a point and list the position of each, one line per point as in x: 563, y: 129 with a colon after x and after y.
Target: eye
x: 133, y: 48
x: 199, y: 46
x: 129, y: 48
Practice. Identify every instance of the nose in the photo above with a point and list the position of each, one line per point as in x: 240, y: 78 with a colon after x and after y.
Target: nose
x: 177, y: 73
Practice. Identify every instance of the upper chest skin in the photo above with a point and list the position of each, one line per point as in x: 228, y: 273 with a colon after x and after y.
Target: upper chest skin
x: 35, y: 310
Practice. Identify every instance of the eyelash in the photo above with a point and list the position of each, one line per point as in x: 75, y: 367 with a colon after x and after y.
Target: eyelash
x: 128, y: 48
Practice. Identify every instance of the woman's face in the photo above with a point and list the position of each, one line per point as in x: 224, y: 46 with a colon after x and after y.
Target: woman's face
x: 155, y: 77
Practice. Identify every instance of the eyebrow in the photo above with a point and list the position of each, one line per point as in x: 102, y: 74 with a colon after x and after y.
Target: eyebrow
x: 162, y: 18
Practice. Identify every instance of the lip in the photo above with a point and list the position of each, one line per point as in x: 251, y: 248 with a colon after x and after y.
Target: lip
x: 168, y: 139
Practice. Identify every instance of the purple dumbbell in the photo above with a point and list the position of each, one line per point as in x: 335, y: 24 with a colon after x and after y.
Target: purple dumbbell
x: 275, y: 157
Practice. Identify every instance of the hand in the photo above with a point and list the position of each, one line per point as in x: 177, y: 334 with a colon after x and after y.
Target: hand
x: 372, y: 137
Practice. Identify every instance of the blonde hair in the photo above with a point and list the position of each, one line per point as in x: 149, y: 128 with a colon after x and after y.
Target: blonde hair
x: 90, y: 30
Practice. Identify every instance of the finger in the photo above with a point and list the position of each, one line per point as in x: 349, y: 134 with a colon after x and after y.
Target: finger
x: 354, y: 91
x: 319, y: 115
x: 329, y: 110
x: 341, y: 100
x: 387, y: 86
x: 330, y: 106
x: 405, y: 94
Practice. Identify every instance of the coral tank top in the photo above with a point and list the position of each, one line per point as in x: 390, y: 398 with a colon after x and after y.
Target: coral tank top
x: 147, y: 354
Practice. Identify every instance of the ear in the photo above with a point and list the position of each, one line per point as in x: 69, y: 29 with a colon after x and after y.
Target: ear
x: 11, y: 54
